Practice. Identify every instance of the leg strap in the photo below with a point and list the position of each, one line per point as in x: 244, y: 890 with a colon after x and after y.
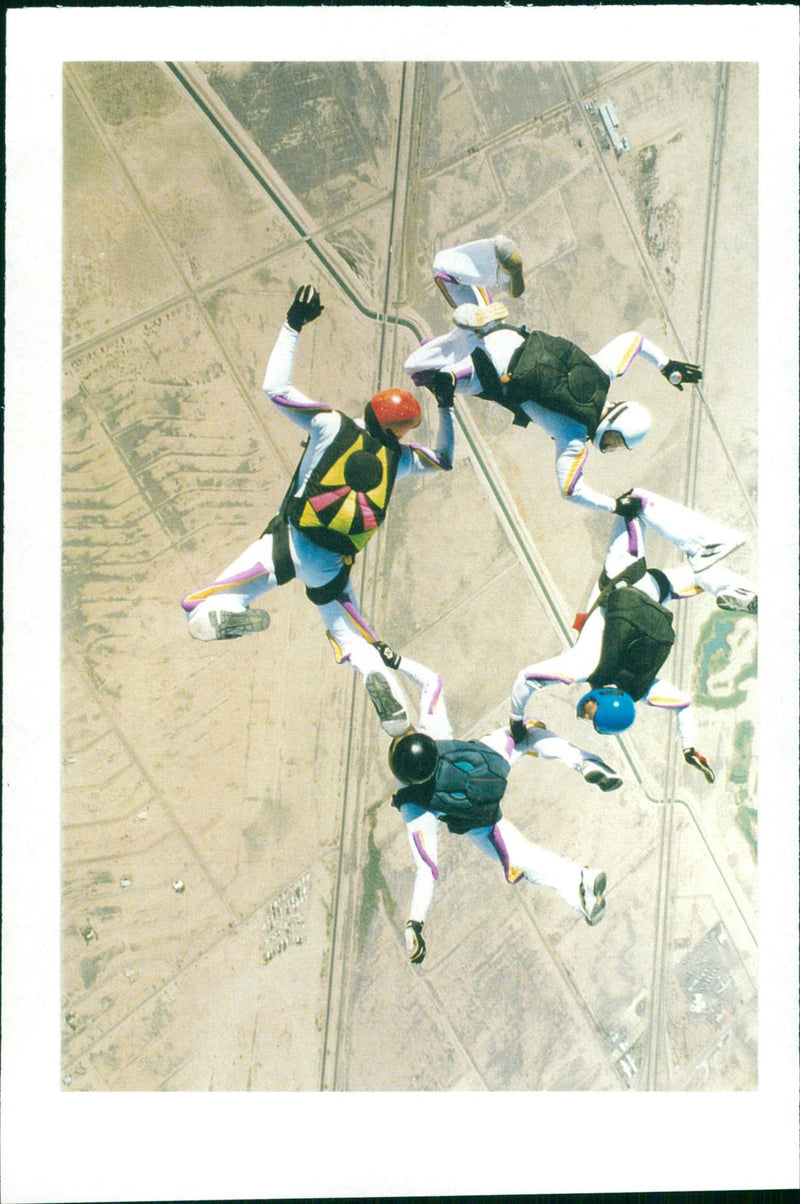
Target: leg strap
x: 281, y: 555
x: 322, y: 594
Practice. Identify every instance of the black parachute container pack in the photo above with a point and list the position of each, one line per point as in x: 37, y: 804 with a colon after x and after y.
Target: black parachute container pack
x: 334, y: 511
x: 637, y: 638
x: 559, y: 376
x: 469, y: 782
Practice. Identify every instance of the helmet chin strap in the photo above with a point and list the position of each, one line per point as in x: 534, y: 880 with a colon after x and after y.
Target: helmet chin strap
x: 374, y: 427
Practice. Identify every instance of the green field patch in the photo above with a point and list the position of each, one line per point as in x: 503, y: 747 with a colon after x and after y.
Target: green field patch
x: 743, y: 751
x: 718, y: 683
x: 374, y: 883
x: 747, y: 819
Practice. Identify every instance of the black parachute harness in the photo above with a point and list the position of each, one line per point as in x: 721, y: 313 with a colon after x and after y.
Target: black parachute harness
x: 638, y: 633
x: 278, y: 526
x: 466, y: 789
x: 491, y: 385
x: 550, y: 371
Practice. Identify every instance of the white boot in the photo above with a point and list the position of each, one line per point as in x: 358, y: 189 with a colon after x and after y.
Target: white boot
x: 226, y: 624
x: 480, y: 319
x: 591, y: 890
x: 510, y: 261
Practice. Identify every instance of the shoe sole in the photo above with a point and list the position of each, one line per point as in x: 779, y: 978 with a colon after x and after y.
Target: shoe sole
x: 604, y: 781
x: 482, y: 316
x: 598, y: 911
x: 393, y: 717
x: 230, y: 625
x: 730, y: 602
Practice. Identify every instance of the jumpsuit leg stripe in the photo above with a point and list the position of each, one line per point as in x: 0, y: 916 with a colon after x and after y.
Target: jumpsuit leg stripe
x: 512, y: 875
x: 575, y: 473
x: 442, y: 279
x: 338, y: 654
x: 360, y: 622
x: 691, y: 592
x: 436, y: 696
x: 549, y: 678
x: 667, y: 704
x: 221, y: 587
x: 420, y: 847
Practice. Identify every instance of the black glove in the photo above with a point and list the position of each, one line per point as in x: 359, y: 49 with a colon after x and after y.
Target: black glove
x: 517, y: 730
x: 692, y: 757
x: 443, y: 387
x: 388, y: 655
x: 305, y: 307
x: 415, y: 942
x: 628, y: 507
x: 689, y: 374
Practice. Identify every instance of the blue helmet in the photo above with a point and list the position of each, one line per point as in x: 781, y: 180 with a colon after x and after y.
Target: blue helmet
x: 615, y: 712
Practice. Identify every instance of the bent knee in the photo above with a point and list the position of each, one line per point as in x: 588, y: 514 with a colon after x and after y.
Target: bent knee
x: 199, y: 624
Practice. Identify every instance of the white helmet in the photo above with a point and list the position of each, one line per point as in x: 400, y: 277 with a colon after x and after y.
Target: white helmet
x: 630, y: 419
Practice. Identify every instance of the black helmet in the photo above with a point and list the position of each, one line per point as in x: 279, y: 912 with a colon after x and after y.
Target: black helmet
x: 413, y: 757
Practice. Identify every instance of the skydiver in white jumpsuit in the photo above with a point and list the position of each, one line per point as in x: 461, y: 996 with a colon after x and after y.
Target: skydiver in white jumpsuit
x: 704, y: 543
x: 582, y: 888
x: 342, y: 509
x: 466, y: 275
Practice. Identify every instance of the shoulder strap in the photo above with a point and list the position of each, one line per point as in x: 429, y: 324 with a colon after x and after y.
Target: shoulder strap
x: 491, y: 386
x: 630, y: 574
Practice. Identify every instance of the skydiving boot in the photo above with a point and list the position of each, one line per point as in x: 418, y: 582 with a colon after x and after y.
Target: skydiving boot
x: 229, y: 624
x: 591, y: 891
x: 600, y: 775
x: 740, y: 599
x: 391, y: 713
x: 709, y: 553
x: 480, y: 319
x: 703, y: 540
x: 510, y: 261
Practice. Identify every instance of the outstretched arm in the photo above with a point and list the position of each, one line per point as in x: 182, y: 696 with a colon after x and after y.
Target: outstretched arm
x: 571, y: 456
x: 617, y: 356
x: 663, y: 694
x: 278, y: 377
x: 417, y: 460
x: 666, y: 697
x: 421, y: 827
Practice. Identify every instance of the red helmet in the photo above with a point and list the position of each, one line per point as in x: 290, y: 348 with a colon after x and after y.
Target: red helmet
x: 393, y: 406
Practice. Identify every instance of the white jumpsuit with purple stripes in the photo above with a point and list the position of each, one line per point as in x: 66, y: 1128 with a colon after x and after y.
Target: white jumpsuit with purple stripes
x: 689, y: 532
x: 466, y: 274
x: 503, y: 842
x: 252, y: 574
